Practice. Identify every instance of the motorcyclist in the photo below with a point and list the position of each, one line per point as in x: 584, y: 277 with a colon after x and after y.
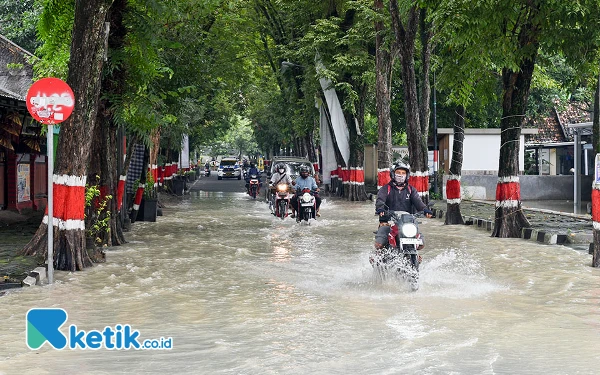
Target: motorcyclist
x: 252, y: 171
x: 281, y: 177
x: 397, y: 195
x: 303, y: 182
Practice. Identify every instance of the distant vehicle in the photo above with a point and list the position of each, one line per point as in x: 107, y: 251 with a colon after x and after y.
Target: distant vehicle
x: 229, y: 168
x: 293, y: 164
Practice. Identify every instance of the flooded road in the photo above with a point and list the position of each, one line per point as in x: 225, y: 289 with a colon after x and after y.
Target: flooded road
x: 241, y: 292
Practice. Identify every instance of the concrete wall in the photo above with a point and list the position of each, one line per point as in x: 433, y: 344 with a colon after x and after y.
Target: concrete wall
x: 532, y: 187
x: 481, y: 152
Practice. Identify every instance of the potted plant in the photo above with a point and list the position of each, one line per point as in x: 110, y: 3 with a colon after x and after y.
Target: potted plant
x: 148, y: 207
x: 179, y: 183
x: 191, y: 175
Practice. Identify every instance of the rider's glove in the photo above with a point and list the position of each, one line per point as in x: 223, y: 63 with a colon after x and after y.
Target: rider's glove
x: 379, y: 211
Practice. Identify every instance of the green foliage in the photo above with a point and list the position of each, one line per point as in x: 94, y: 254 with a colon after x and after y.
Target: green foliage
x: 435, y: 196
x: 18, y: 22
x: 53, y: 29
x: 15, y: 66
x: 149, y: 190
x: 97, y: 215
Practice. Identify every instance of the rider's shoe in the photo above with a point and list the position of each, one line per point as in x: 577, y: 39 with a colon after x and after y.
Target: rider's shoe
x: 318, y: 214
x: 293, y: 215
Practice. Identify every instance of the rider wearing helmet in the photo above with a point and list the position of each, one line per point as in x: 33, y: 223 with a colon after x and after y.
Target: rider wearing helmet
x: 303, y: 182
x: 281, y: 177
x: 251, y: 171
x: 397, y: 195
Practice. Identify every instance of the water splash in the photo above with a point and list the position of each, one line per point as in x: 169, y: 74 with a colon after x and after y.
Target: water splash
x: 455, y: 274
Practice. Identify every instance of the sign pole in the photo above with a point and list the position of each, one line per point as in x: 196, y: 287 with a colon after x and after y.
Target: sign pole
x: 50, y: 151
x: 50, y: 101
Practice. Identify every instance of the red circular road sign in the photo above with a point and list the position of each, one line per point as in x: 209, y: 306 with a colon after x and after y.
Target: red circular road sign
x: 50, y: 100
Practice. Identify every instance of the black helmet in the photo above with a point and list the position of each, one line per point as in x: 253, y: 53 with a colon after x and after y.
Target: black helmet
x: 400, y: 165
x: 304, y: 170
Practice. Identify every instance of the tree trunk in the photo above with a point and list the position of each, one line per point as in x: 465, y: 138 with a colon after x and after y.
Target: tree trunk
x: 112, y: 85
x: 425, y: 98
x: 509, y: 219
x: 405, y: 39
x: 453, y: 194
x: 355, y: 189
x: 85, y: 68
x: 384, y: 60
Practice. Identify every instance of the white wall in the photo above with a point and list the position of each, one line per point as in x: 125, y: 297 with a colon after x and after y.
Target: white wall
x: 481, y: 152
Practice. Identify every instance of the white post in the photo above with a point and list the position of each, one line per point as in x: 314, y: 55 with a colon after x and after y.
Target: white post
x: 50, y: 151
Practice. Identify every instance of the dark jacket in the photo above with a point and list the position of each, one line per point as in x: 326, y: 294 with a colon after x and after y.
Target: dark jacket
x: 251, y: 171
x: 406, y: 199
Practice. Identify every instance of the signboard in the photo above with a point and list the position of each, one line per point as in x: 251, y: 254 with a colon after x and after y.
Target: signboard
x: 50, y: 101
x: 23, y: 185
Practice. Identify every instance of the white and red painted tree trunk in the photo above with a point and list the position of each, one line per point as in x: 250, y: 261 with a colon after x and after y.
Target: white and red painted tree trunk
x: 85, y: 68
x: 596, y: 224
x: 453, y: 190
x: 509, y: 215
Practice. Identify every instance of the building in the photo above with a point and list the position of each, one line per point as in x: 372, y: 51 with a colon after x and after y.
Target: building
x: 481, y: 150
x: 551, y: 151
x: 23, y: 165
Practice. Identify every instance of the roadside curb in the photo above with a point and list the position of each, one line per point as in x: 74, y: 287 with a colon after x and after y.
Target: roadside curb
x: 38, y: 276
x: 543, y: 236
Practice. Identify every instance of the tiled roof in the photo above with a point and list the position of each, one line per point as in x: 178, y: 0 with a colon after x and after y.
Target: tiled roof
x: 14, y: 83
x: 553, y: 129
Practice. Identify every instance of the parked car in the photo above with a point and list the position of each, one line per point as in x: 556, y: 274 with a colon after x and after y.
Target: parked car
x: 293, y: 164
x: 229, y: 168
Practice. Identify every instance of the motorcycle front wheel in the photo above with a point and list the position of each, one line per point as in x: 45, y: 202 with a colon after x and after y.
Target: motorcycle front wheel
x: 282, y: 209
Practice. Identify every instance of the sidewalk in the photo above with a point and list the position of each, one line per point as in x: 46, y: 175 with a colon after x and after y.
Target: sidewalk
x: 552, y: 222
x: 16, y: 229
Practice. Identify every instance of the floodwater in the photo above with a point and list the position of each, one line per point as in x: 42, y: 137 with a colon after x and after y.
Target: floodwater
x: 239, y: 291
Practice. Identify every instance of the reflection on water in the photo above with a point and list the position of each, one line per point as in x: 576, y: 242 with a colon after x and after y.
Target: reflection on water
x: 243, y: 292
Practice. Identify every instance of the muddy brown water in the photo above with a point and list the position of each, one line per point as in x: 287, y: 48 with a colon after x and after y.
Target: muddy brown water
x: 242, y: 292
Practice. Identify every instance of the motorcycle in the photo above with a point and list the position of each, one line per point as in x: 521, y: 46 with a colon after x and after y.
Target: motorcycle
x: 254, y: 187
x: 206, y: 171
x: 280, y: 201
x: 307, y: 206
x: 400, y: 255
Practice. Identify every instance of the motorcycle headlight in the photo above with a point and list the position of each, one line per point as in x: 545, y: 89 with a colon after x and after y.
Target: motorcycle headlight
x: 306, y: 197
x: 409, y: 230
x: 282, y: 187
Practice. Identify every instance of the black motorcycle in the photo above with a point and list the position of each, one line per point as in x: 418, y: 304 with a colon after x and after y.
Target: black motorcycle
x: 307, y: 206
x: 400, y: 257
x: 207, y: 171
